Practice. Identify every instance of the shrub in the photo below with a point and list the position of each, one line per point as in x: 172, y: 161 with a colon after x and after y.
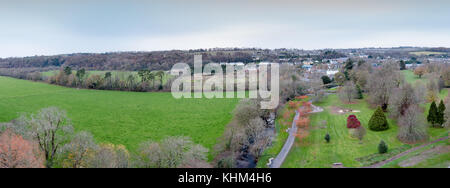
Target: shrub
x: 327, y: 138
x: 353, y: 122
x: 360, y: 132
x: 382, y: 147
x: 378, y: 121
x: 326, y: 80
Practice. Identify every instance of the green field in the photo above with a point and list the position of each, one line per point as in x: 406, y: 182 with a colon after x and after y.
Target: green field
x: 315, y: 152
x: 411, y: 78
x: 127, y: 118
x: 427, y: 53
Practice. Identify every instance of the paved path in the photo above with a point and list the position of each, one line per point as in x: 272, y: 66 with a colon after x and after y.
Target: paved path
x: 278, y: 161
x: 380, y: 164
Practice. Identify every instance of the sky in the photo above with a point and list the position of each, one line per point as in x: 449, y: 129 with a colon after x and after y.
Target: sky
x: 51, y: 27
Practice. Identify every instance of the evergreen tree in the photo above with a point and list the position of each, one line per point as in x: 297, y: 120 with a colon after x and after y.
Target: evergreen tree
x: 67, y: 70
x: 327, y: 138
x: 433, y: 114
x: 378, y: 121
x: 326, y: 80
x: 440, y: 114
x: 348, y: 64
x: 382, y: 147
x: 360, y: 93
x: 402, y: 65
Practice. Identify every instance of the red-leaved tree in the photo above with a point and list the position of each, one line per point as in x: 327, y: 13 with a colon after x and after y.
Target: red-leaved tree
x: 16, y: 152
x: 353, y: 122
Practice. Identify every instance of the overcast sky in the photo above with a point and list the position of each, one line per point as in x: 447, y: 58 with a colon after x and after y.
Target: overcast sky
x: 48, y: 27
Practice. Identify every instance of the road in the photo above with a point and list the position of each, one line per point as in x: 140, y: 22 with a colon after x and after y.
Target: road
x: 278, y: 161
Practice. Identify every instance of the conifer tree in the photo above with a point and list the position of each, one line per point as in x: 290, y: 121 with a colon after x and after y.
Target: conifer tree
x: 440, y: 114
x: 432, y: 117
x: 378, y: 121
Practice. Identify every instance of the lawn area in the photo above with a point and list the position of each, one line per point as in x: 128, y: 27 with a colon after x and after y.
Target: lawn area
x: 313, y: 151
x: 411, y: 78
x: 436, y: 155
x: 427, y: 53
x: 127, y: 118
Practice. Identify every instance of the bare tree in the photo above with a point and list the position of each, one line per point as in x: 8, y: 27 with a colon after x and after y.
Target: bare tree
x: 432, y: 89
x: 172, y: 152
x: 257, y: 139
x: 412, y: 126
x: 246, y: 110
x: 77, y: 150
x: 51, y: 128
x: 109, y: 156
x: 402, y: 98
x: 16, y: 152
x: 381, y: 83
x: 348, y: 91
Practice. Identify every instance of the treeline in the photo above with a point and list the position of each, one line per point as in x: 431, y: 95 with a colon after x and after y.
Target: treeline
x: 143, y: 81
x: 47, y: 139
x: 126, y: 61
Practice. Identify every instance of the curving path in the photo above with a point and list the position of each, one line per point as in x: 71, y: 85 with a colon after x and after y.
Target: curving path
x: 278, y: 161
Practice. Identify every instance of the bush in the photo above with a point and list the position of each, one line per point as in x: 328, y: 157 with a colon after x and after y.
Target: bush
x: 382, y: 147
x: 353, y: 122
x: 327, y: 138
x: 326, y: 80
x: 378, y: 121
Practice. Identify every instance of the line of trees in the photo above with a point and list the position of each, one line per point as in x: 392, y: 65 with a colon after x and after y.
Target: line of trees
x: 125, y: 81
x: 47, y: 139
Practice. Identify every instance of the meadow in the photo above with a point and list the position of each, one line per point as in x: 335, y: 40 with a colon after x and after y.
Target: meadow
x: 117, y: 117
x: 427, y: 53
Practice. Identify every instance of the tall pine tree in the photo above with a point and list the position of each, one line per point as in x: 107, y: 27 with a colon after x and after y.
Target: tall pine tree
x: 440, y: 114
x: 433, y: 114
x: 360, y: 93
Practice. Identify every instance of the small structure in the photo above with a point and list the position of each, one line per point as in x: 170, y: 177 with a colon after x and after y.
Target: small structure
x: 338, y: 165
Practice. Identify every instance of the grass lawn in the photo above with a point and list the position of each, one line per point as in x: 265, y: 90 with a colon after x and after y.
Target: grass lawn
x: 313, y: 151
x: 413, y: 79
x: 427, y: 53
x: 126, y: 118
x: 424, y: 157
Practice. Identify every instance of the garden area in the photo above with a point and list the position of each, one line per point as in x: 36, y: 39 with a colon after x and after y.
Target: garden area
x: 314, y: 151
